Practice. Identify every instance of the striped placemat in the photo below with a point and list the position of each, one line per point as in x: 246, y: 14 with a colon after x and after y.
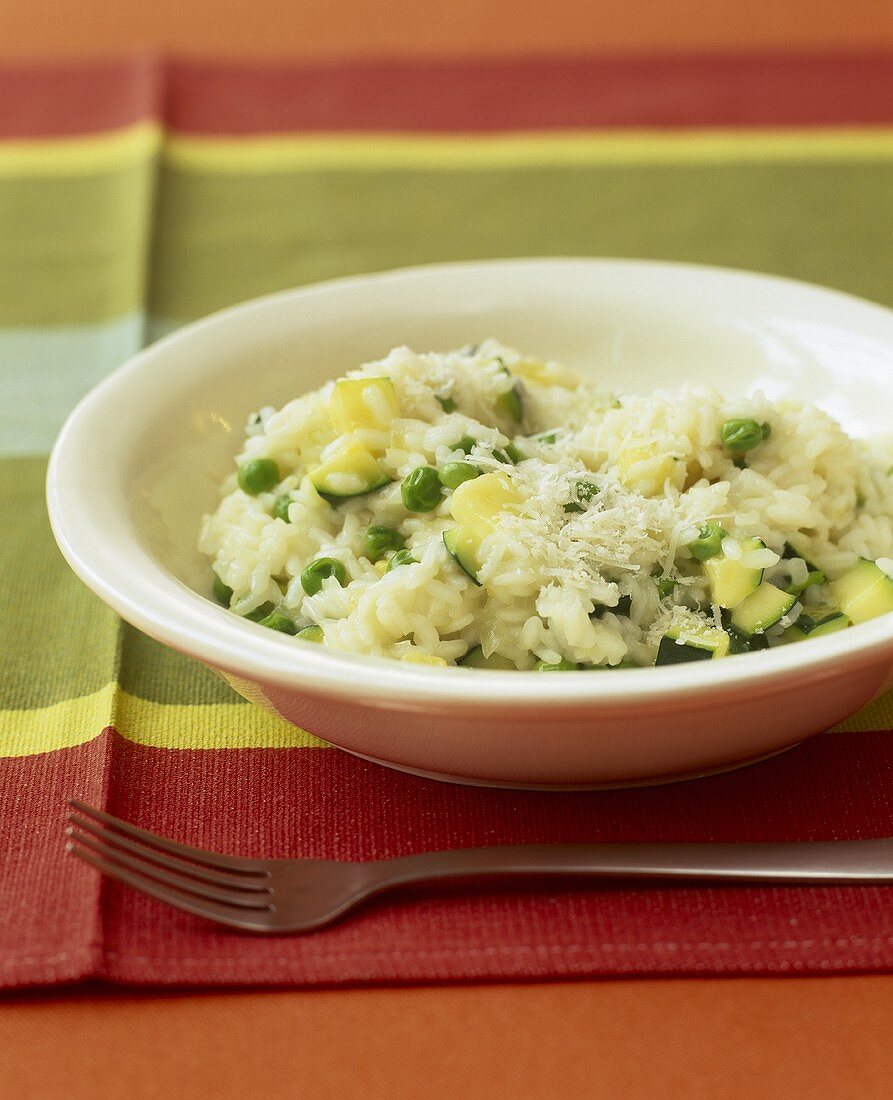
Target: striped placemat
x: 138, y: 195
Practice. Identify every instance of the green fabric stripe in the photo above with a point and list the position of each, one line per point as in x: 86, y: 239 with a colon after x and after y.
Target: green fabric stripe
x: 221, y: 238
x: 58, y: 640
x: 46, y: 371
x: 73, y: 250
x: 152, y: 671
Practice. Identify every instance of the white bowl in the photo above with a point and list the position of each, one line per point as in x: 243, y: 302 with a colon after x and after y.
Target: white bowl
x: 139, y: 461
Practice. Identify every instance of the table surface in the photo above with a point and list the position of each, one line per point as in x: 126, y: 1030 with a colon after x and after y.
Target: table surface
x: 716, y: 1038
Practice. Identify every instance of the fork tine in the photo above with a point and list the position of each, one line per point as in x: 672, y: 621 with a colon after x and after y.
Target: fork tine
x: 236, y: 864
x: 241, y: 898
x: 152, y: 855
x: 189, y: 903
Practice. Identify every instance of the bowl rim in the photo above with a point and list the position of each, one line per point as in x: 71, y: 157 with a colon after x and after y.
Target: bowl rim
x: 194, y: 625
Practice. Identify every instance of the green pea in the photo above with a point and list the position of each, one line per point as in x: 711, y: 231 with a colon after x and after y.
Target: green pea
x: 421, y: 490
x: 584, y: 491
x: 739, y: 436
x: 280, y: 507
x: 447, y: 404
x: 259, y: 612
x: 223, y: 594
x: 310, y: 634
x: 278, y: 620
x: 514, y: 454
x: 320, y: 570
x: 452, y: 474
x: 402, y: 557
x: 766, y: 429
x: 708, y: 544
x: 561, y: 666
x: 465, y: 444
x: 258, y: 476
x: 378, y: 540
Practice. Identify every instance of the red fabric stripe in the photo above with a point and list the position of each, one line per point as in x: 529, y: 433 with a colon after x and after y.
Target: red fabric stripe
x: 66, y: 99
x: 482, y: 95
x: 322, y: 803
x: 51, y: 927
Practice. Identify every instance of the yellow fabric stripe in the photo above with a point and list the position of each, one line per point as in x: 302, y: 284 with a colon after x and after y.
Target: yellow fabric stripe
x: 80, y: 156
x: 290, y: 152
x: 206, y: 726
x: 876, y: 716
x: 59, y: 726
x: 159, y: 725
x: 211, y: 726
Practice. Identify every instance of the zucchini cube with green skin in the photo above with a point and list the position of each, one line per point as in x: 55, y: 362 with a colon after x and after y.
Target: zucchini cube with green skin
x: 475, y: 505
x: 763, y: 608
x: 348, y: 470
x: 821, y: 621
x: 863, y: 592
x: 363, y: 403
x: 464, y: 551
x: 730, y: 581
x: 680, y: 645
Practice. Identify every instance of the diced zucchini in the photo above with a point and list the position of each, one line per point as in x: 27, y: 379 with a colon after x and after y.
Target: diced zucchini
x: 815, y: 576
x: 547, y: 374
x: 730, y: 581
x: 645, y: 470
x: 464, y: 549
x: 762, y: 609
x: 623, y: 607
x: 310, y: 634
x: 475, y: 658
x: 793, y: 634
x: 475, y: 504
x: 792, y: 552
x: 363, y: 403
x: 509, y: 402
x: 700, y: 643
x: 863, y: 592
x: 349, y: 470
x: 824, y: 621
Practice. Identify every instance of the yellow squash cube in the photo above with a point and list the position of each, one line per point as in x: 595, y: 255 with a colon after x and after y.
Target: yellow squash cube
x: 476, y: 504
x: 547, y: 374
x: 363, y: 403
x: 645, y: 470
x: 348, y: 470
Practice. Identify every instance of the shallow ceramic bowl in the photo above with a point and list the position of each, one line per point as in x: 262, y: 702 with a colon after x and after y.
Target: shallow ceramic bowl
x: 140, y: 459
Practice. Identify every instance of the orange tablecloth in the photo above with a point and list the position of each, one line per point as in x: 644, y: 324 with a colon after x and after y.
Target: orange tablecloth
x: 720, y: 1039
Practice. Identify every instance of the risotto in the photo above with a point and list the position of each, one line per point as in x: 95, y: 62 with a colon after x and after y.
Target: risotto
x: 486, y: 509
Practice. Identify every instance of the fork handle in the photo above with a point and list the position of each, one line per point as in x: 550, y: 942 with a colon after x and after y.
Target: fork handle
x: 800, y: 861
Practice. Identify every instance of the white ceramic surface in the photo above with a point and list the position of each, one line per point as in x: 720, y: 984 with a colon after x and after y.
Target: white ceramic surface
x: 140, y: 458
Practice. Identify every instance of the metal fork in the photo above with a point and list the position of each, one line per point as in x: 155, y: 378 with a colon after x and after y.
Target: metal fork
x: 297, y: 895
